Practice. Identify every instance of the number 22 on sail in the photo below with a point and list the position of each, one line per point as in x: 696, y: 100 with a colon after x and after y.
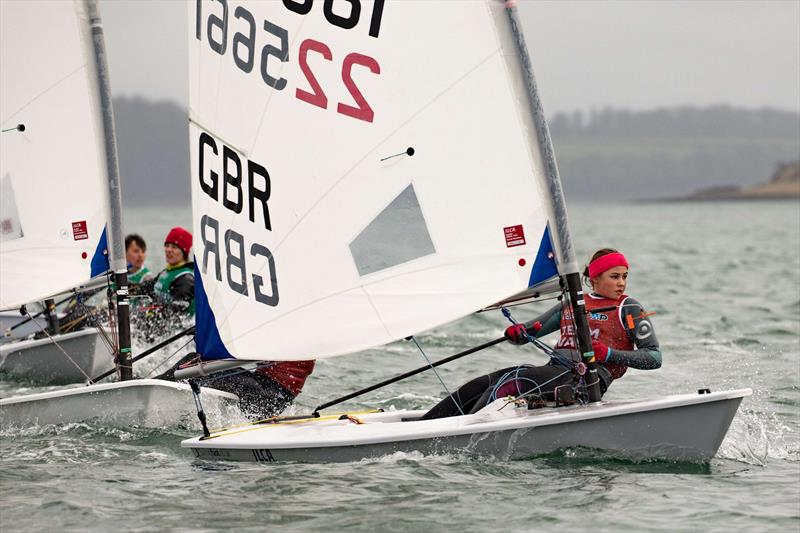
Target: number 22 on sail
x: 219, y: 25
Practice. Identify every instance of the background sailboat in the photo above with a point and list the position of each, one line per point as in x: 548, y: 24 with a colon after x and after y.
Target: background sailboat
x: 57, y: 110
x: 384, y: 171
x: 55, y: 200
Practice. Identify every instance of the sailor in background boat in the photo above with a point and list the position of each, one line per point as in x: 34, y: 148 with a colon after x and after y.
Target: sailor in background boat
x: 136, y: 254
x: 165, y: 302
x: 622, y: 338
x: 85, y: 309
x: 173, y: 287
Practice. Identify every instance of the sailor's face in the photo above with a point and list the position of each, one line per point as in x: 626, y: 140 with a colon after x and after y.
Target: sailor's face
x: 173, y: 254
x: 135, y: 256
x: 611, y: 283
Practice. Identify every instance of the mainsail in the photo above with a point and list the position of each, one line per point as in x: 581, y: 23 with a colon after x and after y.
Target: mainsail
x: 52, y: 152
x: 361, y: 172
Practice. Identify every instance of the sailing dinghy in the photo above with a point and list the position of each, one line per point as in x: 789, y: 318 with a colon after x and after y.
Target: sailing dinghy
x: 36, y: 349
x: 43, y: 361
x: 365, y: 171
x: 12, y: 327
x: 60, y: 182
x: 53, y: 205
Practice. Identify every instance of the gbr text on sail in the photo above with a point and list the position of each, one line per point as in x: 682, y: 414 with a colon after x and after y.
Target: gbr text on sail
x: 254, y: 41
x: 217, y: 242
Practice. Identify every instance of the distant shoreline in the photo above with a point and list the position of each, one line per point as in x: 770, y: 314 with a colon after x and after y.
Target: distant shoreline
x: 699, y: 199
x: 783, y: 185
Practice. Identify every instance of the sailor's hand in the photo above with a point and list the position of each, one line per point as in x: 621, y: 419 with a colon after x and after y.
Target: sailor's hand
x: 601, y: 351
x: 517, y: 334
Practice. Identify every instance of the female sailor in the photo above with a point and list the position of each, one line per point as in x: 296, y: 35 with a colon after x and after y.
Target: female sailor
x: 174, y: 286
x: 622, y: 338
x: 171, y: 291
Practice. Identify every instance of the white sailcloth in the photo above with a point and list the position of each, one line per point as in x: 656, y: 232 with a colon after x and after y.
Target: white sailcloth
x: 360, y: 246
x: 55, y: 201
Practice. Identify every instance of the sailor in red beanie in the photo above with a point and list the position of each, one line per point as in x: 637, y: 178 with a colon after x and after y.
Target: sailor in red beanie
x: 174, y: 285
x: 182, y: 239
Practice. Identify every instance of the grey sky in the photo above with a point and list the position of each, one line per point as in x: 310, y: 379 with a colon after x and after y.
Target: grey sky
x: 586, y: 54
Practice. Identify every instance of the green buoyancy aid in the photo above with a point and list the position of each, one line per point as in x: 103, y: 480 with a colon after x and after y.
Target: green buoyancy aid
x: 167, y: 277
x: 138, y: 276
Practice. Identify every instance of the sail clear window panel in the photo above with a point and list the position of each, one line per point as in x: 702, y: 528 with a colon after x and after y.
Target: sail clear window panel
x: 10, y: 226
x: 376, y: 247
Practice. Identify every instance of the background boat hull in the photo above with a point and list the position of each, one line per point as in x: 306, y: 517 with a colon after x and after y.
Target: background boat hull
x: 42, y: 361
x: 145, y: 403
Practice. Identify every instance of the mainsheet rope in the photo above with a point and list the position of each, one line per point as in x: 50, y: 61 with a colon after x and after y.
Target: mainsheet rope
x: 554, y: 356
x: 170, y: 356
x: 559, y: 358
x: 437, y: 373
x: 44, y: 329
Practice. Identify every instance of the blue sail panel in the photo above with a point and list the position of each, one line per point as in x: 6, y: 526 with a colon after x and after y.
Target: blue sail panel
x: 100, y: 264
x: 207, y: 339
x: 544, y: 266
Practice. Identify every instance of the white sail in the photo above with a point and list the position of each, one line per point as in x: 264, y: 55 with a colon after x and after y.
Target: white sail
x: 51, y: 151
x: 313, y: 237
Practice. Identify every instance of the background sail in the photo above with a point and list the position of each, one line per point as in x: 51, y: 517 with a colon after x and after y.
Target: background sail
x: 311, y: 239
x: 53, y: 223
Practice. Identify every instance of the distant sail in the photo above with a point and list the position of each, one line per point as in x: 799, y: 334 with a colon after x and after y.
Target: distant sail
x: 360, y: 173
x: 52, y: 154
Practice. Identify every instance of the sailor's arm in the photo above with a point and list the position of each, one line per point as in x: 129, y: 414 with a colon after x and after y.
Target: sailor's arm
x: 147, y: 287
x: 182, y: 289
x: 550, y: 321
x: 546, y: 323
x: 647, y: 355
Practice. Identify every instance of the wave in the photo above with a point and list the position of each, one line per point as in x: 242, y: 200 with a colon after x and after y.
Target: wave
x: 757, y: 436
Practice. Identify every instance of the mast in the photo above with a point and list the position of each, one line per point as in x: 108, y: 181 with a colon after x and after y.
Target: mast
x: 116, y: 246
x: 562, y: 240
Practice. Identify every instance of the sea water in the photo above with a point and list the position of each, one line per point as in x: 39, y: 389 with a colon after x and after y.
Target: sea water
x: 724, y: 281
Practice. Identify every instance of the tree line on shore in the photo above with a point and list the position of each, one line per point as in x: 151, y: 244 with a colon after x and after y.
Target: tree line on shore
x: 607, y: 154
x: 721, y: 121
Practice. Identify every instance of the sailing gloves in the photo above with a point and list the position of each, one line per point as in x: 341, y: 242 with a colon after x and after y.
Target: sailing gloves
x: 517, y: 334
x: 601, y: 351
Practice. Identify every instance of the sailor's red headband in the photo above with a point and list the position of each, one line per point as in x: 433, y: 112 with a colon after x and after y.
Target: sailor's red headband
x: 603, y: 263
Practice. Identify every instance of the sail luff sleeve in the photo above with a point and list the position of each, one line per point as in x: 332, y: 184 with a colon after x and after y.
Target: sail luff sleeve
x: 115, y: 232
x: 567, y: 262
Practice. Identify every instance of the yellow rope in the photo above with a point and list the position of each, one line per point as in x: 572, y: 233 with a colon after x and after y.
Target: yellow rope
x: 267, y: 423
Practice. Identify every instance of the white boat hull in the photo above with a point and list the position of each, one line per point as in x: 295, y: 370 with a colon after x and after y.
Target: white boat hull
x: 687, y: 427
x: 9, y: 319
x: 42, y: 361
x: 142, y: 402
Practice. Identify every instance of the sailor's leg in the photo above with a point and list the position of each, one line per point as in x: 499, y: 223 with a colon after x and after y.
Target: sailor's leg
x: 536, y: 381
x: 259, y: 397
x: 275, y: 398
x: 466, y: 396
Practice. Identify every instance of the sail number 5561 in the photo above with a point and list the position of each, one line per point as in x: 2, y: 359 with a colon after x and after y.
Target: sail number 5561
x: 243, y: 47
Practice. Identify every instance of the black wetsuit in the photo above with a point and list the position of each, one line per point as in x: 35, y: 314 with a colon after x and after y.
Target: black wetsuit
x: 259, y: 396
